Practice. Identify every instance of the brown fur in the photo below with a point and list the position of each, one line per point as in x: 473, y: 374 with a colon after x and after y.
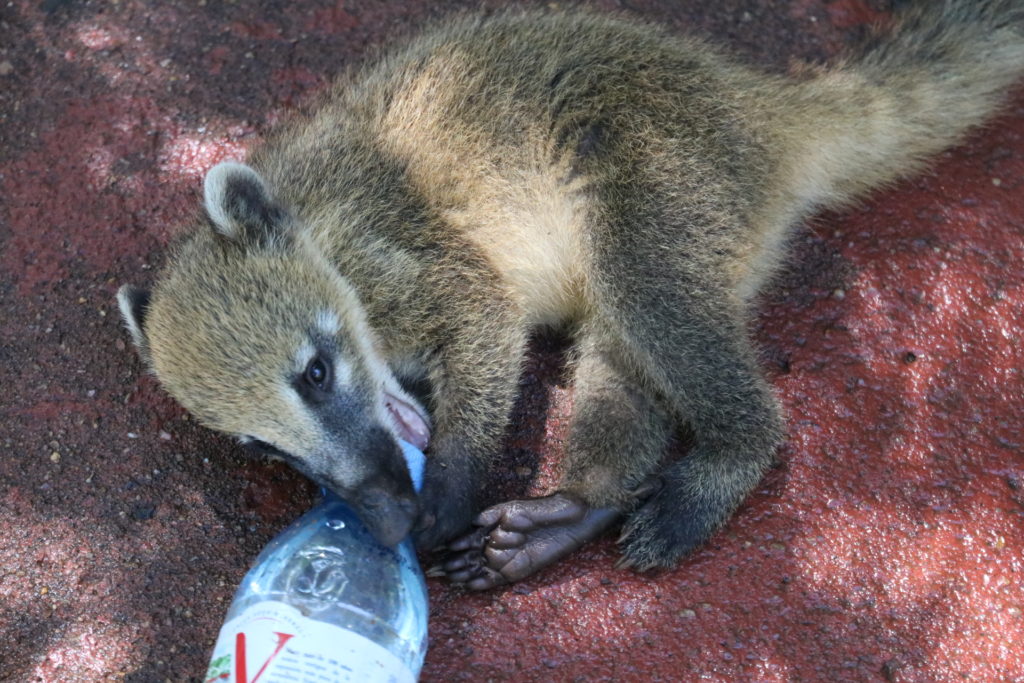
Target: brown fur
x: 547, y: 169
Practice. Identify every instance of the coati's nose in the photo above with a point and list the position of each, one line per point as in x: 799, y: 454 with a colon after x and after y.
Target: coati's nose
x: 384, y: 497
x: 386, y: 501
x: 388, y: 516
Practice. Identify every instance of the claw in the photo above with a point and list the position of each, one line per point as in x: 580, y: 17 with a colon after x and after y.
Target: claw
x: 489, y: 579
x: 474, y: 540
x: 649, y: 566
x: 466, y: 576
x: 647, y: 488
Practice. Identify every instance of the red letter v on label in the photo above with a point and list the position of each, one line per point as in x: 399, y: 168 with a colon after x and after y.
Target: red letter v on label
x: 241, y: 674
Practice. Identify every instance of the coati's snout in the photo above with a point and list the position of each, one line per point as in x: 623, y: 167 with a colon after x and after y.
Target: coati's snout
x: 385, y: 501
x: 382, y: 495
x: 258, y: 336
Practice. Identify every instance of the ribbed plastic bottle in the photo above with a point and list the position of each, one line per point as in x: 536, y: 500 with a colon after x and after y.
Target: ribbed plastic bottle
x: 325, y: 601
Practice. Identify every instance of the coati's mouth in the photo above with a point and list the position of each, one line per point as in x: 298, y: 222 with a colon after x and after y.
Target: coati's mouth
x: 410, y: 423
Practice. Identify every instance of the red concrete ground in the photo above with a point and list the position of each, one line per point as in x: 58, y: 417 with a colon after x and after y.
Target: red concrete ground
x: 888, y: 546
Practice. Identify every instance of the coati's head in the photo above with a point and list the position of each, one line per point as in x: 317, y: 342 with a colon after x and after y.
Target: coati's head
x: 254, y: 332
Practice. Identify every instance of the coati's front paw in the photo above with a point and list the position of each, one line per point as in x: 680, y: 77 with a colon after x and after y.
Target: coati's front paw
x: 515, y: 539
x: 666, y: 528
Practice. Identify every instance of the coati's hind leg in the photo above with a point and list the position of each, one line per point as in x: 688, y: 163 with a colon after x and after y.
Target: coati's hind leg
x: 687, y: 332
x: 616, y: 438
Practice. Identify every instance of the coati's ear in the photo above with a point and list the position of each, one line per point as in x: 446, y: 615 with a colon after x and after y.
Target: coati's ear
x: 134, y: 303
x: 240, y: 206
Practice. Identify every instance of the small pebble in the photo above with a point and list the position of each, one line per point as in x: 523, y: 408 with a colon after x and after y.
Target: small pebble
x: 6, y: 68
x: 55, y: 457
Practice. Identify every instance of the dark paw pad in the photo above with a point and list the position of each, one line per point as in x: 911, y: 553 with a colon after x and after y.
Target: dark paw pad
x: 518, y: 538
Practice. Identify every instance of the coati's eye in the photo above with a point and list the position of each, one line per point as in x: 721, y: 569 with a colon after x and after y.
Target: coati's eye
x: 318, y: 373
x: 313, y: 384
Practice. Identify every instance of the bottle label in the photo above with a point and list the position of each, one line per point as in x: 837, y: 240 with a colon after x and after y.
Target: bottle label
x: 271, y: 642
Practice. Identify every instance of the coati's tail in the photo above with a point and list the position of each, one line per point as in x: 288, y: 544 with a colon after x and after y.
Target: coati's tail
x: 942, y: 69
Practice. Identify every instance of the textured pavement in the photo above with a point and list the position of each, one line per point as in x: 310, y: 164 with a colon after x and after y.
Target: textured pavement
x: 888, y: 545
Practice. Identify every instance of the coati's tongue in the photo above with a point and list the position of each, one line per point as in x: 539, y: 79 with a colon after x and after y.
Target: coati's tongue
x: 411, y: 425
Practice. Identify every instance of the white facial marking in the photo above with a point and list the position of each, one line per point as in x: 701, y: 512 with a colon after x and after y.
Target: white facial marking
x: 364, y: 342
x: 328, y: 322
x: 342, y: 373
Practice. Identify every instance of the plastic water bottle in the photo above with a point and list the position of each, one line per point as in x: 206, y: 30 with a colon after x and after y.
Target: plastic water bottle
x: 325, y: 601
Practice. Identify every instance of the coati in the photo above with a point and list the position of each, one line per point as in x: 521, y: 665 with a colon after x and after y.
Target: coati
x: 541, y: 168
